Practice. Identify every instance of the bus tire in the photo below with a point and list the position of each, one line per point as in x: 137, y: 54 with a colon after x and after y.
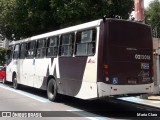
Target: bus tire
x: 15, y: 83
x: 52, y: 90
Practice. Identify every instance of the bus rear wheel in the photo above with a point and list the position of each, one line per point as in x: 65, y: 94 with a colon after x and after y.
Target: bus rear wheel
x: 52, y: 90
x: 15, y: 84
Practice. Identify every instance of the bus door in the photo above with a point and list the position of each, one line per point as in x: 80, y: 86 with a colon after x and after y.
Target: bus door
x: 40, y: 63
x: 9, y: 63
x: 16, y: 63
x: 29, y: 64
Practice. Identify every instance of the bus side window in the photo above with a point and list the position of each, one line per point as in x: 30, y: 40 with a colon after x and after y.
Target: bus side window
x: 31, y: 49
x: 66, y: 44
x: 16, y: 51
x: 23, y: 50
x: 85, y: 42
x: 52, y: 46
x: 41, y: 48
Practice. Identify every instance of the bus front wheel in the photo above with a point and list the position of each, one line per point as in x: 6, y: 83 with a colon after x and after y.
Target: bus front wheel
x: 52, y: 90
x: 15, y: 84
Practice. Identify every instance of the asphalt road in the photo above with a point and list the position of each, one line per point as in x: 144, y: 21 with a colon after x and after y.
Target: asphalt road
x: 29, y: 102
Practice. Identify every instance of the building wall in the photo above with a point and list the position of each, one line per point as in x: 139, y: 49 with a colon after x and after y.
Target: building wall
x: 1, y: 43
x: 156, y: 64
x: 4, y: 43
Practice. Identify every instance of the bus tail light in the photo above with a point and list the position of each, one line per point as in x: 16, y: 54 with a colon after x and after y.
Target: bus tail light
x: 106, y: 73
x: 106, y: 70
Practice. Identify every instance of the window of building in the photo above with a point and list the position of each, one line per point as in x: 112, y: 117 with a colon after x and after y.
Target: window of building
x: 66, y: 44
x: 16, y: 51
x: 41, y: 48
x: 52, y: 46
x: 23, y: 50
x: 31, y: 49
x: 85, y: 42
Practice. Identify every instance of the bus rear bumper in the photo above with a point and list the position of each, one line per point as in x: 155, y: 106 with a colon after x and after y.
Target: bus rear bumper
x: 105, y: 90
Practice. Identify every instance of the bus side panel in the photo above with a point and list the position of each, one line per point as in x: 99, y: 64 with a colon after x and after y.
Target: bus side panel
x: 89, y: 81
x: 68, y: 75
x: 78, y: 77
x: 75, y: 76
x: 41, y: 72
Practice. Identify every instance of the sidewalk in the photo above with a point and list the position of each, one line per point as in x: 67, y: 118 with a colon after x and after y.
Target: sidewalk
x: 153, y: 101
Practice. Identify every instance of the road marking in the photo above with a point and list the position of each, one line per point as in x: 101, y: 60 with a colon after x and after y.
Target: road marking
x: 140, y: 101
x: 87, y: 115
x: 41, y: 99
x: 156, y: 102
x: 131, y: 99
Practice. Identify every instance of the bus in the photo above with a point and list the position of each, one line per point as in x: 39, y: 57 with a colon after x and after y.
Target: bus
x: 102, y: 58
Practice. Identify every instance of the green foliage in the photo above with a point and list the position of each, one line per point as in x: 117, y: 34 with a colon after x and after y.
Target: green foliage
x: 25, y: 18
x: 7, y: 17
x: 152, y: 17
x: 70, y: 12
x: 2, y: 56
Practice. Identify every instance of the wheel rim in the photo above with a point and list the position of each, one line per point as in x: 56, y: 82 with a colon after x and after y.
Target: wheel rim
x: 51, y: 90
x: 14, y: 82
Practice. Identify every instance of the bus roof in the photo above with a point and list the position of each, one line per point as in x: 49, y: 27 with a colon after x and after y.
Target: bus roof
x: 61, y: 31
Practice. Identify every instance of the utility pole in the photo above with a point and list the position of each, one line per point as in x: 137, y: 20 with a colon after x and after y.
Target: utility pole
x: 139, y: 10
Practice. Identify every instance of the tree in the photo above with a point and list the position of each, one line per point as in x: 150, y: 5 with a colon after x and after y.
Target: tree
x: 38, y: 17
x: 25, y: 18
x: 7, y: 15
x: 152, y: 17
x: 70, y: 12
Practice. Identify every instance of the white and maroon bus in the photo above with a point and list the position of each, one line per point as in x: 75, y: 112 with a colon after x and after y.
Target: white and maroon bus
x: 105, y: 57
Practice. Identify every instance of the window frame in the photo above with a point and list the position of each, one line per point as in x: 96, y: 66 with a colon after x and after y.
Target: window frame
x: 17, y: 53
x: 41, y: 48
x: 56, y: 47
x: 31, y: 50
x: 70, y: 45
x: 79, y: 41
x: 24, y: 51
